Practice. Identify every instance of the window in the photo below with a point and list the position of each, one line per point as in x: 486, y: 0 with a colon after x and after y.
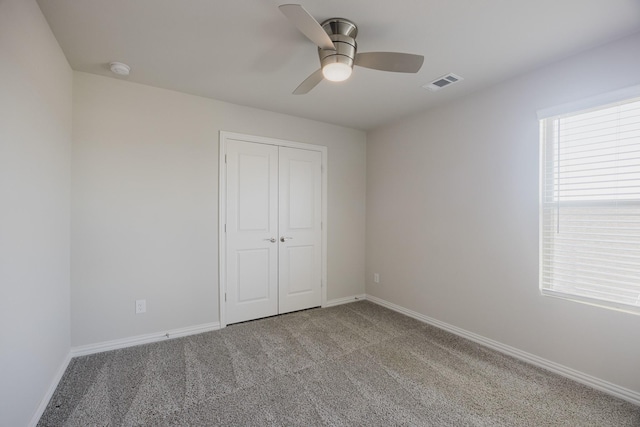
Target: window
x: 590, y: 205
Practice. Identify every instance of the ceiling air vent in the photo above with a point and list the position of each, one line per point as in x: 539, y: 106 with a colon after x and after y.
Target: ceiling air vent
x: 444, y: 81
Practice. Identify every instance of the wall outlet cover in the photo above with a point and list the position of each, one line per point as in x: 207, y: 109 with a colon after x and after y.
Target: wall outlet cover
x: 141, y: 306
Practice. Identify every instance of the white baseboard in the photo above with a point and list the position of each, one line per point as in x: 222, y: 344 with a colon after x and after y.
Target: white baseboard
x: 175, y: 333
x: 143, y: 339
x: 52, y: 388
x: 345, y: 300
x: 580, y: 377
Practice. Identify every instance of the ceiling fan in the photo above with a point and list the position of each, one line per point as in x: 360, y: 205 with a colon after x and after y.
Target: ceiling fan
x: 338, y: 50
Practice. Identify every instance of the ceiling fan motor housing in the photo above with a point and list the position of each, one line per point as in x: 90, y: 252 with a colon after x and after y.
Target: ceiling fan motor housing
x: 342, y: 33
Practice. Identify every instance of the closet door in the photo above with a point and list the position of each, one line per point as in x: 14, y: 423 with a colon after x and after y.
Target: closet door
x: 273, y: 237
x: 300, y: 215
x: 252, y: 231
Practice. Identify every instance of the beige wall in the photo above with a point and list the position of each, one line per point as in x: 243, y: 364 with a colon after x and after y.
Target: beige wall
x: 35, y: 152
x: 452, y: 218
x: 145, y: 204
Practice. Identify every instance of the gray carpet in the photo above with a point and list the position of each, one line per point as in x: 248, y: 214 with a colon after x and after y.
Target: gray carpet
x: 356, y: 364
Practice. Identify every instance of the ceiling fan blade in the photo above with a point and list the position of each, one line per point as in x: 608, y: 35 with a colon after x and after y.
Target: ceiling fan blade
x: 309, y: 83
x: 390, y: 61
x: 307, y: 25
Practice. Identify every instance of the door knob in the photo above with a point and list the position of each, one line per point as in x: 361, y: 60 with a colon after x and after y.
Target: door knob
x: 282, y: 239
x: 272, y: 240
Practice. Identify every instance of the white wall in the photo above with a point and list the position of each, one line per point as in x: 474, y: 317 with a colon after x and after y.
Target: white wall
x: 35, y: 152
x: 452, y: 218
x: 145, y: 204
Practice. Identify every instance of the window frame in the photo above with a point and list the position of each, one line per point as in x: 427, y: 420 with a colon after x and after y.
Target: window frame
x: 546, y: 134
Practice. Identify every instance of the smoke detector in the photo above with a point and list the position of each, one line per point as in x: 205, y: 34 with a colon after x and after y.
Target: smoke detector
x: 119, y: 68
x: 442, y: 82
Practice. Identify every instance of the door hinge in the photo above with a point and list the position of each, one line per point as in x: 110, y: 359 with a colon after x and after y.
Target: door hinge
x: 225, y: 297
x: 225, y: 158
x: 225, y: 228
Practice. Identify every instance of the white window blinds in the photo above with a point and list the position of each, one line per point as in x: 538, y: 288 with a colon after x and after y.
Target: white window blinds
x: 590, y: 206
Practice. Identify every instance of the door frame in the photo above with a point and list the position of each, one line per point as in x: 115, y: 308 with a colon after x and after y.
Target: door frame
x: 222, y: 209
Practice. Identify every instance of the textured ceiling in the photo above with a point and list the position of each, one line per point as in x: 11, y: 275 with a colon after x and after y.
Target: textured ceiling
x: 246, y: 52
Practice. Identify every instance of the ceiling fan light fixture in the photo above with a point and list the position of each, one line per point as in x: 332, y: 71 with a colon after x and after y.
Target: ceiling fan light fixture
x: 336, y: 71
x: 338, y: 50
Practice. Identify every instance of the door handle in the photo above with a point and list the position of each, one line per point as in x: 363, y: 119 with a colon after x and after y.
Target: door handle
x: 282, y: 239
x: 272, y: 240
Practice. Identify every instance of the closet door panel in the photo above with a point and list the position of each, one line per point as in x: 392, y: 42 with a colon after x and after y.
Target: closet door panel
x: 300, y: 216
x: 252, y: 229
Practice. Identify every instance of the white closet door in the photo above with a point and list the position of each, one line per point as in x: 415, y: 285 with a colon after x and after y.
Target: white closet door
x: 252, y: 231
x: 300, y: 219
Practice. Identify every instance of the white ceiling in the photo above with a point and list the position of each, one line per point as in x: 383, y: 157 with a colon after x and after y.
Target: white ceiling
x: 246, y: 52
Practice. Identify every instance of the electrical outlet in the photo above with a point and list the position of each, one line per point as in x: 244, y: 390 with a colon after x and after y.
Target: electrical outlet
x: 141, y: 306
x: 376, y: 278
